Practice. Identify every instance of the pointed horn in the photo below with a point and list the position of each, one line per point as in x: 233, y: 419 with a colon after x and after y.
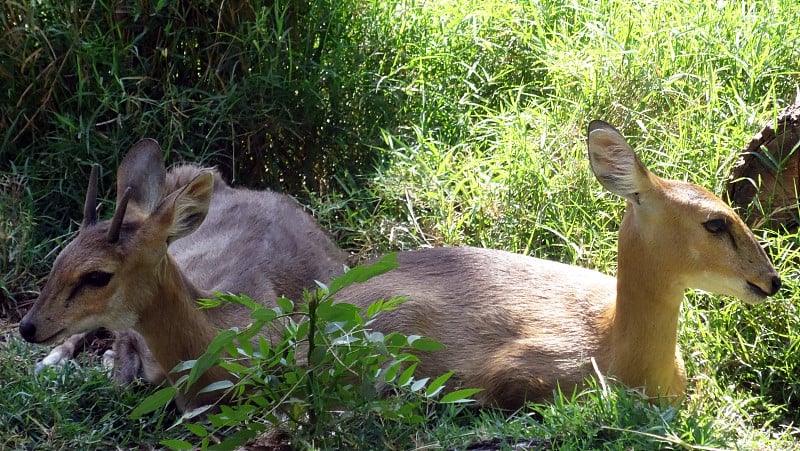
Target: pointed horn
x: 90, y: 205
x: 116, y: 222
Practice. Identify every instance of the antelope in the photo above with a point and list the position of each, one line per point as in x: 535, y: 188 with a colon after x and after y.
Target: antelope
x: 522, y: 327
x: 176, y: 237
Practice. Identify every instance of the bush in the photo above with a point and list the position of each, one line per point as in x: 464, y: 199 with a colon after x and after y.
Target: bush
x: 275, y: 93
x: 322, y: 383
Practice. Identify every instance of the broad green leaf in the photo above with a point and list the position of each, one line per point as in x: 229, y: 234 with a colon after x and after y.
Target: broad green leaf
x: 405, y: 376
x: 438, y: 383
x: 219, y: 385
x: 264, y: 314
x: 203, y: 364
x: 196, y: 429
x: 245, y: 348
x: 154, y: 402
x: 223, y: 339
x: 340, y: 312
x: 196, y: 412
x: 462, y: 395
x: 286, y: 305
x: 234, y: 367
x: 234, y: 440
x: 177, y: 444
x: 334, y: 327
x: 364, y: 273
x: 425, y: 344
x: 383, y: 305
x: 211, y: 356
x: 183, y: 366
x: 390, y: 371
x: 264, y: 346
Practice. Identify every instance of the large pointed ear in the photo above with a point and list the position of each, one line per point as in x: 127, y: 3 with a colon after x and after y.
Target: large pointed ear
x: 143, y: 171
x: 184, y: 210
x: 615, y: 164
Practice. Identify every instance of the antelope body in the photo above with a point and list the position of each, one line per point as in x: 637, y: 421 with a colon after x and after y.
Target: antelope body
x: 175, y: 238
x: 520, y: 327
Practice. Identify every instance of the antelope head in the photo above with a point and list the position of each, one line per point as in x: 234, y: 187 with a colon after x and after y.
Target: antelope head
x: 112, y: 270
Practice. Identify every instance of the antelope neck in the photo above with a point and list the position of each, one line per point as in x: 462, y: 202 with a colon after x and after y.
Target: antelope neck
x: 173, y: 327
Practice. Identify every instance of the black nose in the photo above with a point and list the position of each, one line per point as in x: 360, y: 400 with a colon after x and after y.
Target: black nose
x: 776, y: 284
x: 28, y: 330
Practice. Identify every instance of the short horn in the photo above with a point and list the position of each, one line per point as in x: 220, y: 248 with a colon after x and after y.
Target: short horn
x: 119, y: 213
x: 90, y: 205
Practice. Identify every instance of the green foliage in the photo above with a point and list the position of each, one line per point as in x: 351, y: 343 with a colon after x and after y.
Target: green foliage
x: 277, y: 94
x: 326, y: 377
x: 19, y: 252
x: 413, y: 123
x: 70, y: 407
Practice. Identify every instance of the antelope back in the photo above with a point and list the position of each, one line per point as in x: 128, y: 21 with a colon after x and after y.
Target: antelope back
x: 259, y: 243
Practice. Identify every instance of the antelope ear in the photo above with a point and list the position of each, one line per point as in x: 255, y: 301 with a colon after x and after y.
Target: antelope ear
x: 183, y: 211
x: 143, y: 171
x: 615, y: 164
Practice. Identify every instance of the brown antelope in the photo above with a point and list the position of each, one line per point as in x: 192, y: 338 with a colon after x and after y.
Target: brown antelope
x: 520, y: 327
x: 175, y: 238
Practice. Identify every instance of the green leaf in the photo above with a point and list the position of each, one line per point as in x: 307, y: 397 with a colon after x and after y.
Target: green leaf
x: 234, y: 367
x: 463, y: 395
x: 374, y: 308
x: 405, y: 376
x: 245, y: 348
x: 286, y: 305
x: 211, y: 356
x: 196, y: 429
x: 390, y: 371
x: 364, y: 273
x: 154, y: 402
x: 197, y: 411
x: 438, y: 383
x: 424, y: 344
x: 177, y: 444
x: 183, y: 366
x: 242, y: 299
x: 209, y: 303
x: 234, y: 440
x: 214, y: 386
x: 264, y: 314
x: 330, y: 312
x: 264, y: 347
x: 223, y: 339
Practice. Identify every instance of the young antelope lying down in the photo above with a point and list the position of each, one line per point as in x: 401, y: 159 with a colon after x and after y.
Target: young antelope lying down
x: 176, y: 237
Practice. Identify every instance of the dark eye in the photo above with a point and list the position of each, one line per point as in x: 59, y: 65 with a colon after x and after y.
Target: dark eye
x: 97, y: 279
x: 716, y: 226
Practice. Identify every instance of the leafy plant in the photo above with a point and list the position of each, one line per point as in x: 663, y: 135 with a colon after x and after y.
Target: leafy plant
x: 326, y: 372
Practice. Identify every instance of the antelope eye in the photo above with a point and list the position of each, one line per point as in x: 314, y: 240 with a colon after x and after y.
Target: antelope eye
x: 716, y: 226
x: 97, y: 279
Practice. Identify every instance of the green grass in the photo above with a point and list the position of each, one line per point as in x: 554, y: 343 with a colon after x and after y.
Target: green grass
x: 474, y: 114
x: 72, y: 407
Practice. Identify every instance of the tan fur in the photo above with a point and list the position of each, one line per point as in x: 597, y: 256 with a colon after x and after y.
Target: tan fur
x: 185, y: 235
x: 520, y: 327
